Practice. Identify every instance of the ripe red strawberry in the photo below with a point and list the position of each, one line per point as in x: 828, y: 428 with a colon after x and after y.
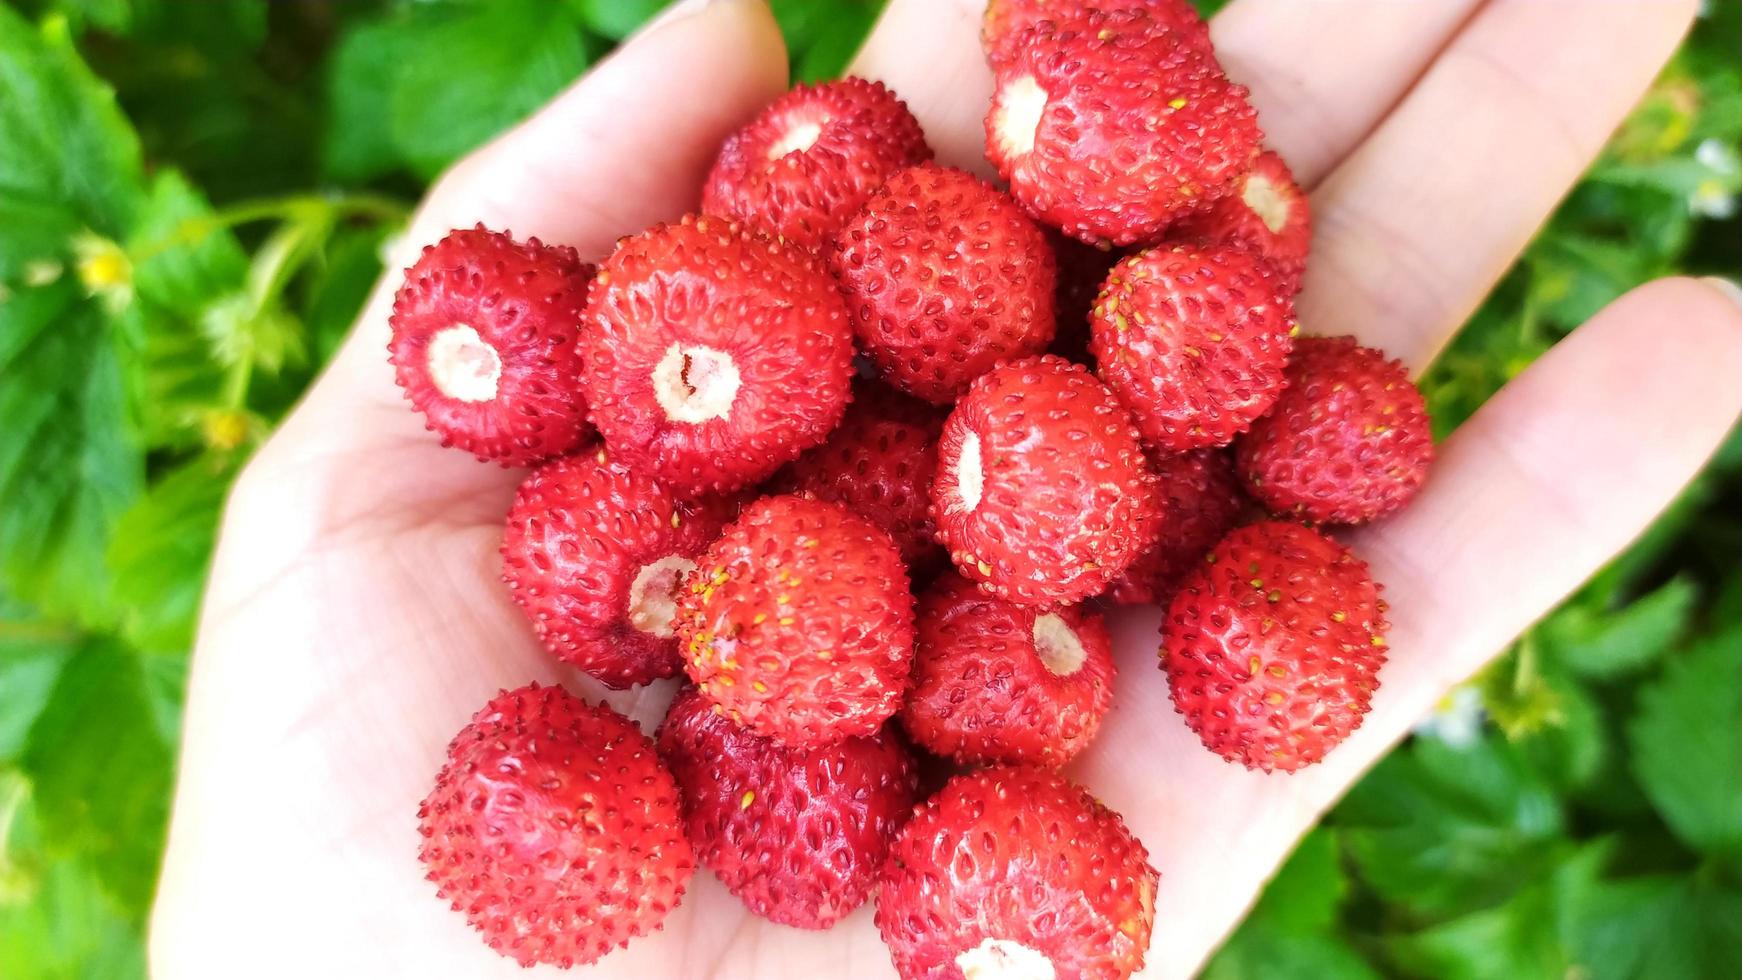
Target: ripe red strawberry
x: 798, y: 835
x: 798, y: 621
x: 1016, y: 872
x: 1273, y: 646
x: 1348, y: 441
x: 879, y: 465
x: 1112, y: 125
x: 812, y: 157
x: 594, y: 553
x: 1083, y: 270
x: 1042, y: 493
x: 1201, y: 501
x: 944, y: 276
x: 1193, y: 339
x: 714, y: 355
x: 997, y: 682
x: 1267, y: 212
x: 484, y: 344
x: 1004, y: 21
x: 555, y: 829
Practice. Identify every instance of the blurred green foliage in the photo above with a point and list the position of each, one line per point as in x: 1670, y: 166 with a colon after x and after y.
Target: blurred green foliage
x: 192, y: 200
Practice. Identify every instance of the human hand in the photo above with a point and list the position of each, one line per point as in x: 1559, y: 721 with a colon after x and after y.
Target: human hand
x: 355, y: 619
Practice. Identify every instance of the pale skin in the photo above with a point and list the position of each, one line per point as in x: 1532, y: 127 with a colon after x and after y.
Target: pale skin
x: 356, y: 619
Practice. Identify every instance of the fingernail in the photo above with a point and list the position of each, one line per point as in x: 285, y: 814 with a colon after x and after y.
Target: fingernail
x: 1728, y: 287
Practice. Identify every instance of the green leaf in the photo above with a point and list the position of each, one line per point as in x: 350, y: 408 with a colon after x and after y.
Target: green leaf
x: 823, y: 38
x: 1570, y: 751
x: 352, y: 264
x: 161, y: 549
x: 32, y: 653
x: 68, y: 466
x: 58, y: 921
x: 182, y: 263
x: 1687, y: 744
x: 617, y: 19
x: 101, y: 770
x: 1292, y: 931
x: 1520, y: 937
x: 1599, y: 643
x: 1440, y: 830
x: 65, y: 146
x: 1681, y: 926
x: 420, y: 87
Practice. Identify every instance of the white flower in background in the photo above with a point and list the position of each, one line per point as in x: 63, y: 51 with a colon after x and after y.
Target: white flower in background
x: 1457, y: 719
x: 1715, y: 196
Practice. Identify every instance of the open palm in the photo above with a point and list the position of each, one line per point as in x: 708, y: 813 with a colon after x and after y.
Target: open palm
x: 355, y: 617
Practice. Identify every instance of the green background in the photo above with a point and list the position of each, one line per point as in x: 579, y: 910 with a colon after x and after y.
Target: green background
x: 192, y: 200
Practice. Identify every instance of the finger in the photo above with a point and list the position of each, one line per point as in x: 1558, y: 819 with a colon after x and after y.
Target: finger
x: 1414, y: 228
x: 1322, y: 74
x: 1548, y: 481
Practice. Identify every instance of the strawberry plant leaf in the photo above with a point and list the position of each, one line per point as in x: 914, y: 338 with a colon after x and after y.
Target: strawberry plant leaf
x: 1292, y: 931
x: 1684, y: 926
x: 1687, y: 744
x: 1599, y: 643
x: 421, y: 86
x: 1441, y: 830
x: 161, y: 548
x: 68, y: 467
x: 100, y: 768
x: 617, y: 19
x: 32, y: 653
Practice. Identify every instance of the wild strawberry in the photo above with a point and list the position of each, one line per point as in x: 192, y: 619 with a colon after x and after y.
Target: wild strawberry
x: 1193, y: 339
x: 1002, y: 25
x: 798, y: 835
x: 879, y: 465
x: 1110, y: 125
x: 484, y: 344
x: 1083, y: 271
x: 714, y: 355
x: 594, y: 554
x: 944, y: 276
x: 798, y: 621
x: 1042, y: 493
x: 812, y: 157
x: 1201, y: 501
x: 1348, y: 441
x: 1016, y: 872
x: 555, y: 829
x: 1273, y: 646
x: 1267, y: 212
x: 997, y: 682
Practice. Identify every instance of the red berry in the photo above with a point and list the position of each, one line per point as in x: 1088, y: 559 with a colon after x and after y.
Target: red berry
x: 1194, y: 341
x: 812, y: 157
x: 1273, y: 646
x: 1042, y: 493
x: 1201, y: 501
x: 1267, y: 212
x: 879, y: 465
x: 798, y: 621
x: 555, y: 829
x: 714, y: 355
x: 594, y: 554
x: 1112, y: 125
x: 1004, y: 21
x: 1349, y: 440
x: 798, y: 835
x: 944, y: 276
x: 1015, y: 872
x: 997, y: 682
x: 484, y: 344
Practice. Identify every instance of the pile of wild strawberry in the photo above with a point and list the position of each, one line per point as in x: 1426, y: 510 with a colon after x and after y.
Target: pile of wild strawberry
x: 756, y: 513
